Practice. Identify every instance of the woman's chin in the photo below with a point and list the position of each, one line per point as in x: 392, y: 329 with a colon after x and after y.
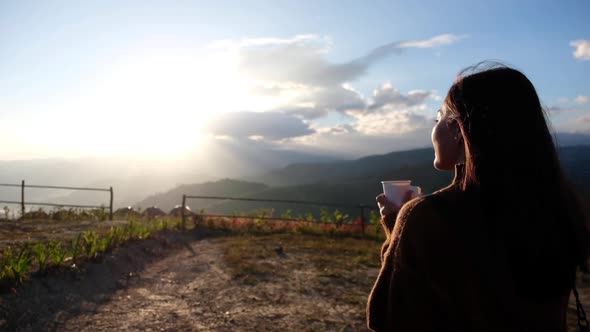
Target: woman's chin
x: 442, y: 166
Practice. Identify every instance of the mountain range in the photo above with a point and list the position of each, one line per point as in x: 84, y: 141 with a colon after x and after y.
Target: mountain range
x: 350, y: 182
x: 247, y: 171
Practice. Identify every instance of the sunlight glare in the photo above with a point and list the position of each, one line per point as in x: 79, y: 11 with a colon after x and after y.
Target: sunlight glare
x: 156, y: 106
x: 153, y: 106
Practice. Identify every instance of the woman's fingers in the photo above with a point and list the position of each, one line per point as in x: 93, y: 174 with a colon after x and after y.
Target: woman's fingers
x: 386, y: 207
x: 408, y: 195
x: 381, y: 199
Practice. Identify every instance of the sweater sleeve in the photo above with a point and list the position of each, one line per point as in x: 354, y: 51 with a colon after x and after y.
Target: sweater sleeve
x: 387, y: 223
x: 411, y: 287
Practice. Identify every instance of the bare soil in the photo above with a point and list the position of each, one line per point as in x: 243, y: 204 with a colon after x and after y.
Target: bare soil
x: 209, y: 281
x: 180, y: 282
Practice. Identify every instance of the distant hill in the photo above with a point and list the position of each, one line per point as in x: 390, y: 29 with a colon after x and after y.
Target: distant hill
x: 127, y: 190
x: 132, y: 178
x: 350, y: 182
x: 571, y: 139
x: 412, y: 164
x: 227, y: 187
x: 371, y: 166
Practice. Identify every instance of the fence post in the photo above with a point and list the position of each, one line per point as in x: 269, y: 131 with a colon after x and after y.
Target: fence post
x: 111, y: 205
x: 22, y: 199
x: 362, y: 220
x: 182, y: 210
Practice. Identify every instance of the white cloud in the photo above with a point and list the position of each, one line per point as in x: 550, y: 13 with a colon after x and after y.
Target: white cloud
x: 389, y: 97
x: 355, y: 144
x: 553, y: 110
x: 320, y: 101
x: 313, y: 87
x: 391, y: 112
x: 445, y: 39
x: 434, y: 95
x: 582, y: 50
x: 309, y: 112
x: 339, y: 129
x: 271, y: 41
x: 399, y: 47
x: 577, y: 120
x: 342, y: 129
x: 569, y: 105
x: 580, y: 124
x: 296, y: 71
x: 301, y: 59
x: 257, y: 126
x: 302, y: 63
x: 392, y: 123
x: 582, y: 99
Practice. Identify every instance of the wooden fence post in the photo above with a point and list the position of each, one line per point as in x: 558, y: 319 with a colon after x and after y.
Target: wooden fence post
x: 111, y: 205
x: 362, y: 221
x: 182, y: 210
x: 22, y: 199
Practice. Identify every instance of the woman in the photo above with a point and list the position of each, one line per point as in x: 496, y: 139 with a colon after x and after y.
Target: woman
x: 497, y: 250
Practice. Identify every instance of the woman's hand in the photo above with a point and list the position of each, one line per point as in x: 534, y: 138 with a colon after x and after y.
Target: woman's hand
x: 387, y: 207
x: 389, y: 210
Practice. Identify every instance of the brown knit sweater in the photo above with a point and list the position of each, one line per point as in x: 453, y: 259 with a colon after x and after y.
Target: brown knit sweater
x: 437, y: 274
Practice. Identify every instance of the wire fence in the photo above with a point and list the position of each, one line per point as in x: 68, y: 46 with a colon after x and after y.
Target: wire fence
x: 361, y: 208
x: 23, y: 203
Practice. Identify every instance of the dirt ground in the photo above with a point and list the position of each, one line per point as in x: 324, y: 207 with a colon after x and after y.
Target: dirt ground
x: 178, y: 282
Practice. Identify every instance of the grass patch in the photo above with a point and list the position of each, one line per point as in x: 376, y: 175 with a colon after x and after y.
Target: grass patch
x: 18, y: 263
x: 339, y: 265
x: 250, y: 258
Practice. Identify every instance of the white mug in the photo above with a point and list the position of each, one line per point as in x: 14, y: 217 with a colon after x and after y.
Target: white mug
x: 396, y: 190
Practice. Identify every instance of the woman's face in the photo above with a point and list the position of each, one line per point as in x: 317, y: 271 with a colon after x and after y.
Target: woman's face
x: 447, y: 142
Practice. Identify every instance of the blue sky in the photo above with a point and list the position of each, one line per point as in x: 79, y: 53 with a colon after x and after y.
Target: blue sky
x: 126, y: 77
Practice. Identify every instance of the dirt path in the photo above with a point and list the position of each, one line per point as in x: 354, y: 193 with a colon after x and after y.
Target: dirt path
x: 178, y: 283
x: 192, y: 291
x: 185, y: 291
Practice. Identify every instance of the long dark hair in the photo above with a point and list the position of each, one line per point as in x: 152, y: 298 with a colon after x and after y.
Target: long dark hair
x: 512, y: 162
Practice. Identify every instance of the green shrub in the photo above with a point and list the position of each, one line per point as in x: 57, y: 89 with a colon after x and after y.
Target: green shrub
x: 16, y: 266
x: 57, y: 252
x: 41, y: 252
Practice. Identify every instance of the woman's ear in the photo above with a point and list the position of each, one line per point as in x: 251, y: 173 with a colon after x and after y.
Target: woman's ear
x: 455, y: 129
x: 452, y: 122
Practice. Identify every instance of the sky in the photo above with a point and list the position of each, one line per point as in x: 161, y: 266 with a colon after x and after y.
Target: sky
x: 167, y: 79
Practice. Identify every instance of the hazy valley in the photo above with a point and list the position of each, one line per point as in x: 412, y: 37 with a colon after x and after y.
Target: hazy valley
x: 350, y: 182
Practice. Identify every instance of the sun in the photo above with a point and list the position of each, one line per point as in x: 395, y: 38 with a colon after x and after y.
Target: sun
x: 159, y: 104
x: 150, y: 105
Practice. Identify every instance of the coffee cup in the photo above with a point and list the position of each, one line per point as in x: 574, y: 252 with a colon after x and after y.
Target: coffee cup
x: 395, y: 191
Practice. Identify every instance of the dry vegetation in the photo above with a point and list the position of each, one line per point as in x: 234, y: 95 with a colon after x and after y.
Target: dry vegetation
x: 207, y: 280
x: 216, y: 275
